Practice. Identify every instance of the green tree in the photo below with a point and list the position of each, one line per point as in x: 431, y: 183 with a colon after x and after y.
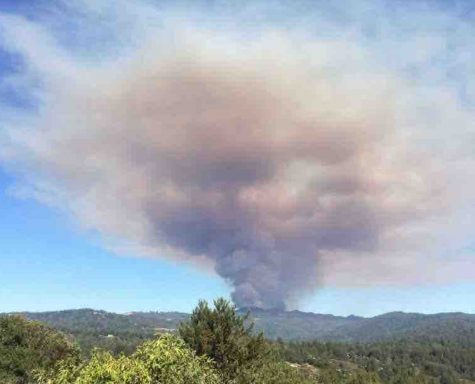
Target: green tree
x: 27, y: 346
x: 226, y: 337
x: 166, y: 360
x: 170, y: 360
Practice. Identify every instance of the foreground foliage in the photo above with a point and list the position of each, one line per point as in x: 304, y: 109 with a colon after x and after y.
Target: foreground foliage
x: 221, y: 334
x: 26, y: 346
x: 218, y: 346
x: 165, y: 360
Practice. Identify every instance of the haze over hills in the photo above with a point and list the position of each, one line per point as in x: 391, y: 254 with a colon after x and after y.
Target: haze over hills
x: 288, y: 325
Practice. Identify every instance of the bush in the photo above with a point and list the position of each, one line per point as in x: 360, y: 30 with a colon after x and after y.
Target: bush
x: 166, y: 360
x: 169, y: 360
x: 27, y: 346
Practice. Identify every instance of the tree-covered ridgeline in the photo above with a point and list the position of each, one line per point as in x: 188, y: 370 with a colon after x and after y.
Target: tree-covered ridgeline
x: 91, y: 326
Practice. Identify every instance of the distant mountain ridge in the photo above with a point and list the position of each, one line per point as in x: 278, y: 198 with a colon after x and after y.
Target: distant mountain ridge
x: 102, y: 322
x: 296, y: 325
x: 288, y: 325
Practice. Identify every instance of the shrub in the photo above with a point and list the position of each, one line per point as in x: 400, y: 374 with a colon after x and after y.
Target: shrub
x: 27, y: 346
x: 166, y: 360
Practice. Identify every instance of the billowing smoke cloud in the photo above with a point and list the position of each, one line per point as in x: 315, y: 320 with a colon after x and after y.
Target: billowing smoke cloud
x: 271, y: 159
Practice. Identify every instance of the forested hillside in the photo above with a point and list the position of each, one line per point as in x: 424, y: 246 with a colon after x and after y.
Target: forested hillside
x: 111, y: 331
x: 293, y: 325
x: 391, y: 360
x: 393, y: 348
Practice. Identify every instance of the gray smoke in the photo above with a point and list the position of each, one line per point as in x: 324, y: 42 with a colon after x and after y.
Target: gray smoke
x: 253, y: 157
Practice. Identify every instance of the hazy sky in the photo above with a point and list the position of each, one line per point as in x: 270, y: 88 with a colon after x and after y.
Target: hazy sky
x: 311, y: 155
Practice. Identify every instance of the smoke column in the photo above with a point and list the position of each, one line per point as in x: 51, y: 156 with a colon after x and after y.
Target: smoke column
x: 259, y: 158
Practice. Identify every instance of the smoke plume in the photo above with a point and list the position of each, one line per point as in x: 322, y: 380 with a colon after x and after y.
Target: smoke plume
x: 267, y: 158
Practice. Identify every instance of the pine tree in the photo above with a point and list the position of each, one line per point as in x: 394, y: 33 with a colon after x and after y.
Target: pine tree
x: 224, y: 336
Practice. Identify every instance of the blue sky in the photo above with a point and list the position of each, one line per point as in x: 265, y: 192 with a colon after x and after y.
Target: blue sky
x: 48, y: 261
